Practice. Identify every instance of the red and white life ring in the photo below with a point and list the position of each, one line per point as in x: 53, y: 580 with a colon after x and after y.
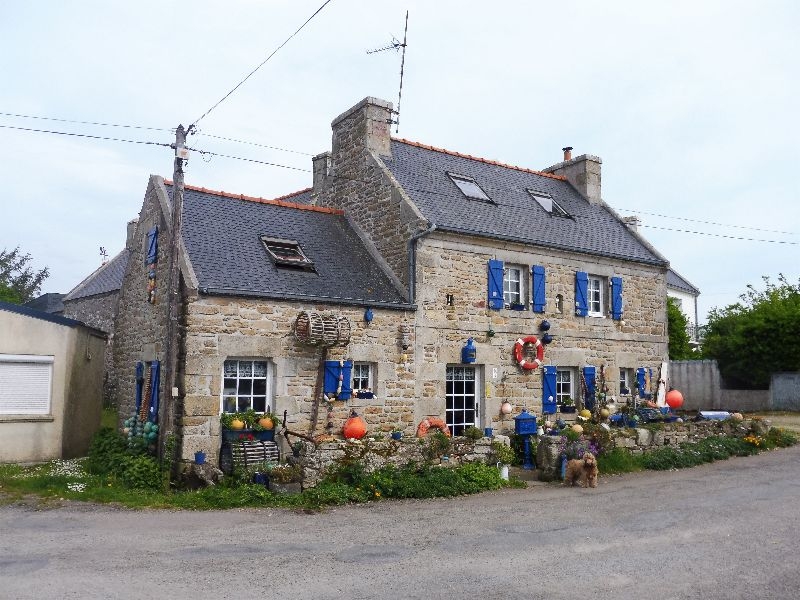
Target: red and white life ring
x: 519, y: 352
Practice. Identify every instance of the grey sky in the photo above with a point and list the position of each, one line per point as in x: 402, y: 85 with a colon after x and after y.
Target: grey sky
x: 691, y: 106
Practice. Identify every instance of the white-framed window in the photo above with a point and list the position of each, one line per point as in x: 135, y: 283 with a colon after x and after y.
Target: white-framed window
x: 461, y: 398
x: 469, y: 187
x: 25, y: 384
x: 513, y: 285
x: 565, y: 384
x: 595, y: 296
x: 362, y: 376
x: 247, y: 384
x: 626, y: 379
x: 546, y: 201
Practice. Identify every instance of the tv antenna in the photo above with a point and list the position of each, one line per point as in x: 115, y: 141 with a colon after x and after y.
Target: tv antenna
x: 103, y: 255
x: 396, y: 45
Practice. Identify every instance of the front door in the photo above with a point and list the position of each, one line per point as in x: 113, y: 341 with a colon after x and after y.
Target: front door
x: 461, y: 396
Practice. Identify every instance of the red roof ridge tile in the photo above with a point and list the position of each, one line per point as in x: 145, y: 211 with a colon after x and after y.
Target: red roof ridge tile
x: 479, y: 159
x: 279, y: 201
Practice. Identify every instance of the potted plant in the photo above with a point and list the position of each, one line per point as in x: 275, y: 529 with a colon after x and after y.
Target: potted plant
x: 473, y: 433
x: 297, y: 448
x: 517, y: 306
x: 396, y: 433
x: 248, y: 425
x: 567, y: 405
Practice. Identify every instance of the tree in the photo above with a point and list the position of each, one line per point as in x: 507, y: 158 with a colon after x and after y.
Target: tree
x: 679, y: 348
x: 758, y: 336
x: 19, y: 282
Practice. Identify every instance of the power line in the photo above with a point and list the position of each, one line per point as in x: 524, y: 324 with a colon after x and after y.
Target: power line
x: 251, y: 160
x: 236, y: 87
x: 86, y: 135
x: 5, y: 114
x: 719, y: 235
x: 644, y: 212
x: 227, y: 139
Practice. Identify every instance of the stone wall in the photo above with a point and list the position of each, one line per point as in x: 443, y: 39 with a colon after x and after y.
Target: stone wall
x: 220, y: 328
x: 99, y: 312
x: 458, y: 266
x: 140, y: 327
x: 548, y: 457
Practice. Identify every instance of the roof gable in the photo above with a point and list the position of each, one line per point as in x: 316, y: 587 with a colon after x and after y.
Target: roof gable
x: 422, y: 172
x: 678, y: 282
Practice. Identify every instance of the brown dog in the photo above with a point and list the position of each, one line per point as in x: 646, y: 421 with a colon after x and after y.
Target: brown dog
x: 582, y: 470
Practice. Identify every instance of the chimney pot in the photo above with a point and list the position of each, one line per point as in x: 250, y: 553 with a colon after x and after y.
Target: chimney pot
x: 567, y: 153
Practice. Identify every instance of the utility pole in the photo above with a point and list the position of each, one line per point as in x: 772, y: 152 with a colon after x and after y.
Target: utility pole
x: 171, y: 391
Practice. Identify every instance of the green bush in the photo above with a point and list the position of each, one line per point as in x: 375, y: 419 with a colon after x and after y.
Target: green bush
x: 780, y: 438
x: 619, y: 460
x: 107, y: 452
x: 140, y: 472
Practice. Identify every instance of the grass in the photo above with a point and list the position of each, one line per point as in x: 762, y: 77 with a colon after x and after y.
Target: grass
x: 109, y: 418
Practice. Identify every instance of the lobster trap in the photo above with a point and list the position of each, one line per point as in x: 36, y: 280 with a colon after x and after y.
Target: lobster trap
x: 322, y: 329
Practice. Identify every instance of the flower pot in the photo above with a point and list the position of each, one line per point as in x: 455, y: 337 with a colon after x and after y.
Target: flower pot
x: 504, y: 472
x: 396, y: 435
x: 238, y: 435
x: 199, y: 457
x: 568, y: 409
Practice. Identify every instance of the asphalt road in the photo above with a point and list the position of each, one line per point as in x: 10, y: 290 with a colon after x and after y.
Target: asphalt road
x: 725, y: 530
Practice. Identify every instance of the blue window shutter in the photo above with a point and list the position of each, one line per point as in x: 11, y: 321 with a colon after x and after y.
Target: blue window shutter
x: 581, y: 293
x: 347, y: 380
x: 588, y: 392
x: 331, y: 382
x: 640, y: 381
x: 616, y: 298
x: 155, y: 379
x: 139, y: 385
x: 496, y: 284
x: 152, y: 246
x: 537, y: 273
x: 548, y: 389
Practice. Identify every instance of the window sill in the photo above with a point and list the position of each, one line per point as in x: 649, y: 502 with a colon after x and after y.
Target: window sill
x: 27, y: 418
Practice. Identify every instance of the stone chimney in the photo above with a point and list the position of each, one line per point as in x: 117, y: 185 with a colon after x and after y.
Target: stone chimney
x: 130, y: 241
x: 322, y: 168
x: 582, y: 172
x: 363, y: 127
x: 632, y: 222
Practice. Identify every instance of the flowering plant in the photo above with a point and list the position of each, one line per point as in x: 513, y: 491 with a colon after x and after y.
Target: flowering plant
x: 577, y: 448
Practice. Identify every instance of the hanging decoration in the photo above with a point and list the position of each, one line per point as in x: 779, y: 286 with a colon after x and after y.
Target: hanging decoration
x: 519, y: 352
x: 355, y: 427
x: 150, y: 264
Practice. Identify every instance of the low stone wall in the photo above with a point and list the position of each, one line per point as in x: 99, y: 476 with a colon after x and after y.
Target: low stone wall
x: 548, y: 454
x: 374, y: 454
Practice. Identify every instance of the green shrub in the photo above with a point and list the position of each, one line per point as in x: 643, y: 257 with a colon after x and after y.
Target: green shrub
x: 619, y: 460
x: 472, y: 433
x: 107, y: 452
x: 780, y: 438
x: 140, y: 472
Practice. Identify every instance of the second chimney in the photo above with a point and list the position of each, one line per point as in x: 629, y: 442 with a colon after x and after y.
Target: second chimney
x: 567, y: 153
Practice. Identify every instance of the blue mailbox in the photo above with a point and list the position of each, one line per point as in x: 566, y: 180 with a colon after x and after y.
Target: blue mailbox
x: 469, y: 352
x: 525, y: 423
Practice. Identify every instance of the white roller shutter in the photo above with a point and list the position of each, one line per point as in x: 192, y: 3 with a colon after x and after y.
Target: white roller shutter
x: 25, y: 384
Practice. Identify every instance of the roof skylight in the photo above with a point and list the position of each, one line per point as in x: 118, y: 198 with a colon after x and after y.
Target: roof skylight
x: 469, y: 187
x: 287, y: 253
x: 546, y: 201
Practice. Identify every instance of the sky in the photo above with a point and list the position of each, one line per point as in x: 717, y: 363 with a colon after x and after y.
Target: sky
x: 692, y: 107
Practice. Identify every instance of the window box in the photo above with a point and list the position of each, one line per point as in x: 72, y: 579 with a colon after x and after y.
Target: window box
x: 231, y: 436
x: 517, y: 306
x: 365, y: 395
x: 568, y: 409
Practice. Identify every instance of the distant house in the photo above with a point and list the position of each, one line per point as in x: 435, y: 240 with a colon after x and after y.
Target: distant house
x: 685, y: 295
x: 94, y: 301
x: 51, y: 373
x: 446, y: 284
x: 50, y: 303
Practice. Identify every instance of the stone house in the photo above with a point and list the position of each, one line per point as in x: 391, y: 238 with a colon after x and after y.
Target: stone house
x: 417, y: 250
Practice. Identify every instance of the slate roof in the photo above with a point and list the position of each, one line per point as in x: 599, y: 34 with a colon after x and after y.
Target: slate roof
x: 44, y: 316
x: 676, y: 281
x: 222, y: 235
x: 516, y: 216
x: 107, y: 278
x: 50, y: 303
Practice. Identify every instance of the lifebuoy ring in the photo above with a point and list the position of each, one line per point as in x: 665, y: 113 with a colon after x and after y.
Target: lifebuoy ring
x: 519, y: 352
x: 434, y: 422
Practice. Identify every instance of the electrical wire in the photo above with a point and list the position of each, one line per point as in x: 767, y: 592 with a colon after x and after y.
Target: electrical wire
x: 5, y: 114
x: 719, y: 235
x: 227, y: 139
x: 251, y: 160
x: 249, y: 75
x: 644, y: 212
x: 86, y: 135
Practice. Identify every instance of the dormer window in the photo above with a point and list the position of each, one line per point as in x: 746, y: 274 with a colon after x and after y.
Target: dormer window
x: 287, y: 253
x: 469, y: 187
x: 546, y: 201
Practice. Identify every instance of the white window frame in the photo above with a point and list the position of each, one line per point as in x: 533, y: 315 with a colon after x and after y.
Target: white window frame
x: 596, y: 296
x: 626, y: 380
x: 566, y: 378
x: 226, y: 393
x: 469, y: 187
x: 358, y: 368
x: 17, y: 397
x: 510, y: 296
x: 457, y: 426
